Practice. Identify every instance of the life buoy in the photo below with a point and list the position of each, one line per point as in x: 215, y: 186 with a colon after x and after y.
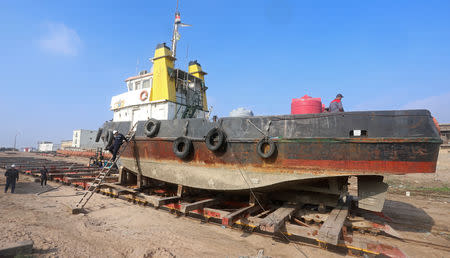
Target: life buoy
x: 144, y: 95
x: 262, y: 150
x: 151, y: 127
x: 214, y: 139
x: 182, y: 147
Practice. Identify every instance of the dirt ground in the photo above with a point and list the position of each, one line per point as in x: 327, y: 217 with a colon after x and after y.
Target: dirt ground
x: 116, y: 228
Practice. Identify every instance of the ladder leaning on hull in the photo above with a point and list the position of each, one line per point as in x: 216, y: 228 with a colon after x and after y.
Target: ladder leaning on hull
x: 106, y: 170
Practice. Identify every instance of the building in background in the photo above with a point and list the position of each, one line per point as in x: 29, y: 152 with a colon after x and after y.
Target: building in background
x: 445, y: 135
x: 85, y: 139
x: 65, y: 145
x: 47, y: 146
x: 28, y: 149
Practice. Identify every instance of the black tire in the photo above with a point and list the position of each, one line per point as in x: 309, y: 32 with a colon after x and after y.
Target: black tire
x: 109, y: 139
x: 151, y: 127
x: 99, y: 134
x: 182, y: 147
x: 261, y: 148
x: 214, y: 139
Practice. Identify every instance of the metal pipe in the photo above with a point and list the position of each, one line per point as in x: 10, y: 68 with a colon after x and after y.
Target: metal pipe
x: 15, y: 138
x: 174, y: 39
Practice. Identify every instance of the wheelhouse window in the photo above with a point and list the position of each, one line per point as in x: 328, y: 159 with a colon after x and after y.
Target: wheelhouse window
x: 137, y: 85
x: 130, y: 86
x: 146, y: 84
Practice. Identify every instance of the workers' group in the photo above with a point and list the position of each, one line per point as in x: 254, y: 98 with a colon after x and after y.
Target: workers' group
x: 12, y: 176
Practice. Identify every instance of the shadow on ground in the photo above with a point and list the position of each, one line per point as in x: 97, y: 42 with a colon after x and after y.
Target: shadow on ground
x: 44, y: 251
x: 407, y: 217
x: 26, y: 188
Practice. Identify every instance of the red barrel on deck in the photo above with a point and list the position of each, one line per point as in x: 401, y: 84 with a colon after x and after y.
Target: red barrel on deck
x: 306, y: 105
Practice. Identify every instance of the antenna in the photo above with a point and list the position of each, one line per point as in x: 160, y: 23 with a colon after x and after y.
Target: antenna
x: 187, y: 57
x: 176, y: 36
x: 137, y: 65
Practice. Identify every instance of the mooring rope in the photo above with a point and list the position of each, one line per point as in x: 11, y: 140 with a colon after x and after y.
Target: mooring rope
x: 264, y: 210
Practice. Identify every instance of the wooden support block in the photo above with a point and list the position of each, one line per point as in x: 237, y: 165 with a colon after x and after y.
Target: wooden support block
x: 213, y: 213
x: 119, y: 188
x: 165, y: 200
x: 230, y: 218
x: 330, y: 230
x: 249, y: 221
x: 74, y: 175
x: 275, y: 220
x: 122, y: 176
x: 197, y: 205
x: 159, y: 201
x: 264, y: 213
x: 17, y: 249
x: 300, y: 231
x: 146, y: 181
x: 180, y: 190
x: 139, y: 180
x: 84, y: 179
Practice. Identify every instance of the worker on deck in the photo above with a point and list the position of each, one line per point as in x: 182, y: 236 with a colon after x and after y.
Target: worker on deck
x: 119, y: 139
x: 44, y: 174
x: 336, y: 104
x: 12, y: 175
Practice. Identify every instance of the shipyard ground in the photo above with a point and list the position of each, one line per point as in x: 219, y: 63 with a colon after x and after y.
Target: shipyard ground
x: 116, y: 228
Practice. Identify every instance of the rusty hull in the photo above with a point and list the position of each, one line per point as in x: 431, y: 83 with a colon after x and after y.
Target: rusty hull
x: 308, y: 147
x: 293, y: 161
x: 329, y: 157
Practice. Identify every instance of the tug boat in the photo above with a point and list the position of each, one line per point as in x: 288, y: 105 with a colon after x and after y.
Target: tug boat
x: 307, y: 157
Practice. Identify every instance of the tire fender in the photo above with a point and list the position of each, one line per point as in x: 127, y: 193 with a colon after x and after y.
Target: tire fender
x: 215, y: 139
x: 182, y: 147
x: 99, y: 133
x: 261, y: 146
x: 109, y: 139
x: 151, y: 127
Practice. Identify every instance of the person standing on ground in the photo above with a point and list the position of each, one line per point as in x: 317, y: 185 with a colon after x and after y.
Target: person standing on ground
x: 336, y: 104
x: 44, y: 174
x: 12, y: 175
x: 119, y: 139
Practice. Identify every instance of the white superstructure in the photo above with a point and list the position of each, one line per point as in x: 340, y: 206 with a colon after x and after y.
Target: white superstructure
x: 166, y: 92
x: 135, y: 104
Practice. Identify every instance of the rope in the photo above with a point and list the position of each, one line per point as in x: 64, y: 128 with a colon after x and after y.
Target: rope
x: 259, y: 203
x: 250, y: 122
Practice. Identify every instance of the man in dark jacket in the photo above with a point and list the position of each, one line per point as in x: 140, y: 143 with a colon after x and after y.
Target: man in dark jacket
x: 336, y: 104
x: 44, y: 174
x: 118, y: 141
x: 12, y: 175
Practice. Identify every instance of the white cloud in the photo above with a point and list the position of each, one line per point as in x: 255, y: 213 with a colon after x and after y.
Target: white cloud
x: 438, y: 106
x: 60, y: 39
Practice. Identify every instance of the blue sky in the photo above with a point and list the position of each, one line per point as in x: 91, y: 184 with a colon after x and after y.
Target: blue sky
x: 62, y: 61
